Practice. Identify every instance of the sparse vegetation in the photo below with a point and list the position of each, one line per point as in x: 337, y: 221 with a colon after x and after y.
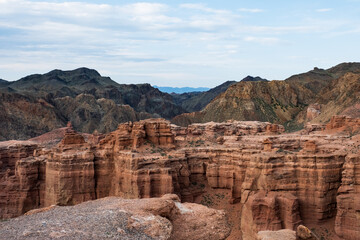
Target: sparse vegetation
x: 207, y: 200
x: 220, y: 196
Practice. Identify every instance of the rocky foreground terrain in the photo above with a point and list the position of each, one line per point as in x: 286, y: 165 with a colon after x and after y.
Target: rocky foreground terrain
x: 263, y: 179
x: 116, y: 218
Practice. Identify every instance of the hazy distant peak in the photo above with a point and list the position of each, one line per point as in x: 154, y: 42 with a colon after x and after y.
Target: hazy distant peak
x: 181, y: 89
x: 254, y: 79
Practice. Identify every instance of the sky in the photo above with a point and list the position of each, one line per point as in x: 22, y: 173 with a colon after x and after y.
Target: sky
x: 178, y: 43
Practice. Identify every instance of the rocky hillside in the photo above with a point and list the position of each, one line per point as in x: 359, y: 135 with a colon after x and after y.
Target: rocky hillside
x: 39, y: 103
x: 290, y: 102
x: 57, y: 84
x: 3, y: 82
x: 196, y: 101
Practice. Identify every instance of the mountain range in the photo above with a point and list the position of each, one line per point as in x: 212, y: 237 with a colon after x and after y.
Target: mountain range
x: 312, y: 96
x: 40, y: 103
x: 180, y: 90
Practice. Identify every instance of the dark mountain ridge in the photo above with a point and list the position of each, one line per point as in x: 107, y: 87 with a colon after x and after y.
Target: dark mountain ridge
x: 39, y: 103
x: 3, y: 82
x: 254, y: 79
x: 58, y: 84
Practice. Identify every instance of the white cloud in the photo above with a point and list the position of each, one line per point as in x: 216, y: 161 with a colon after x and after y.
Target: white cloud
x: 251, y: 10
x: 202, y: 7
x: 324, y: 10
x: 140, y: 37
x: 262, y: 40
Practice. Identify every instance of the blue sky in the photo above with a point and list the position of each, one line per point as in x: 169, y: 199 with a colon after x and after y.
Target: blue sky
x: 177, y: 43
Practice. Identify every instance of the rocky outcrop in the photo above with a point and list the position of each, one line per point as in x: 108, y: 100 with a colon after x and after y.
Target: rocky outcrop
x: 269, y: 211
x: 19, y: 178
x: 116, y: 218
x: 347, y: 223
x: 301, y: 233
x: 344, y: 123
x: 279, y: 180
x: 284, y: 234
x: 70, y: 174
x: 313, y: 111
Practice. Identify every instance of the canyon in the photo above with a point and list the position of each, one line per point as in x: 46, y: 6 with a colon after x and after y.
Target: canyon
x: 263, y: 178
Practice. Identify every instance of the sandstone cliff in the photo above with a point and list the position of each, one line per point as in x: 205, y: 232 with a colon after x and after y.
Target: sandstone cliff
x: 264, y: 179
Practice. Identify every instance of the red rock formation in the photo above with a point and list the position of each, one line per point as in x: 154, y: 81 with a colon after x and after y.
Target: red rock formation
x: 133, y: 135
x: 69, y: 175
x: 269, y: 211
x: 311, y: 127
x: 267, y: 145
x: 72, y: 137
x: 343, y: 123
x: 298, y: 178
x: 313, y: 111
x: 347, y: 223
x: 18, y: 178
x: 310, y: 146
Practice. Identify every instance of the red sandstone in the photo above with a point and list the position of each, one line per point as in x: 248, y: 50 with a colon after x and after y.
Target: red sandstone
x: 281, y: 180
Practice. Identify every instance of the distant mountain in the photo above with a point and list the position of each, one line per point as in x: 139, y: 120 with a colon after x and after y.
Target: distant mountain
x: 39, y: 103
x: 3, y: 82
x: 58, y: 84
x: 254, y: 79
x: 180, y: 90
x: 196, y: 101
x: 286, y: 102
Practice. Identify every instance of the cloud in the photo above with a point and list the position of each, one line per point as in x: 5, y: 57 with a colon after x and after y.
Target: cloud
x: 202, y: 7
x: 324, y: 10
x: 251, y: 10
x: 203, y: 18
x: 152, y: 39
x: 262, y: 40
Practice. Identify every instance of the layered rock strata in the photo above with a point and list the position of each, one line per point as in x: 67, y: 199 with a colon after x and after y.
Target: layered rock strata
x: 280, y: 179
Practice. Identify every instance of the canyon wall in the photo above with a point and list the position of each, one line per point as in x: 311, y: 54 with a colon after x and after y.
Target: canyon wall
x: 280, y: 180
